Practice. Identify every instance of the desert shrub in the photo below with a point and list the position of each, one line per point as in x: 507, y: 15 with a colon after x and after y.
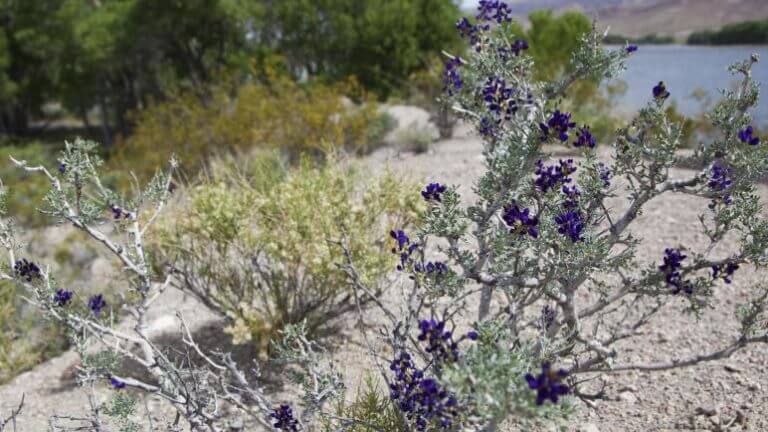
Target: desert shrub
x: 311, y: 118
x: 415, y: 138
x: 512, y: 301
x: 261, y: 249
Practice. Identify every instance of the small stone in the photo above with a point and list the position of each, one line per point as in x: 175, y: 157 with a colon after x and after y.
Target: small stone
x: 754, y: 386
x: 715, y: 420
x: 588, y: 427
x: 628, y: 397
x: 732, y: 369
x: 708, y: 410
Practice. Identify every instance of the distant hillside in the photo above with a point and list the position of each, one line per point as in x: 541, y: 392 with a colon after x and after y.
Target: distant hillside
x: 671, y: 17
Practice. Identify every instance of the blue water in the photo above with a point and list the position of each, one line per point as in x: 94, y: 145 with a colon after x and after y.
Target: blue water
x: 688, y: 69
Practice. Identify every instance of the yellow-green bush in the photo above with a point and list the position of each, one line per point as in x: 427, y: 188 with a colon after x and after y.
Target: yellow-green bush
x: 311, y: 118
x: 267, y: 256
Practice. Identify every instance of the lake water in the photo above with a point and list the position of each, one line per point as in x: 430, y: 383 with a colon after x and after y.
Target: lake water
x: 687, y: 69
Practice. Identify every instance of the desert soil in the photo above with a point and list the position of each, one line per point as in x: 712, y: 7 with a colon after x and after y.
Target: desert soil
x: 722, y: 395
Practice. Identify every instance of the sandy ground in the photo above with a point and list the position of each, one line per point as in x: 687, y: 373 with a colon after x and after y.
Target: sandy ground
x: 706, y: 397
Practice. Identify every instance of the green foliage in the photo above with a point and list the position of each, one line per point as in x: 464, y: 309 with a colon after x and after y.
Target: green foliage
x: 651, y: 39
x: 25, y: 198
x: 372, y: 407
x: 313, y: 118
x: 266, y: 256
x: 746, y: 32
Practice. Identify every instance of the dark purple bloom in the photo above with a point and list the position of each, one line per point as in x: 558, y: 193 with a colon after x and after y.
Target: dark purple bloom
x: 631, y: 48
x: 487, y: 127
x: 605, y: 174
x: 452, y: 81
x: 719, y: 182
x: 584, y: 138
x: 724, y: 271
x: 116, y: 383
x: 62, y: 297
x: 431, y: 268
x: 494, y: 10
x: 472, y: 335
x: 520, y: 220
x: 283, y: 419
x: 439, y: 341
x: 548, y: 384
x: 62, y: 167
x: 550, y: 176
x: 746, y: 135
x: 27, y: 270
x: 471, y: 32
x: 118, y: 213
x: 514, y: 50
x: 421, y: 399
x: 673, y: 259
x: 559, y: 124
x: 96, y: 304
x: 571, y: 225
x: 433, y: 192
x: 660, y: 91
x: 572, y: 194
x: 403, y: 247
x: 500, y: 99
x: 548, y: 316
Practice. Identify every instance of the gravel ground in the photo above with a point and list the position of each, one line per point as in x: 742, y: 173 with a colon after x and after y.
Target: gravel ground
x: 722, y: 395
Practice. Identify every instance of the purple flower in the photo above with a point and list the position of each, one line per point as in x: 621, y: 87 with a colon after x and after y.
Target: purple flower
x: 548, y: 316
x: 550, y: 176
x: 62, y: 168
x: 660, y: 91
x: 118, y: 213
x: 724, y: 271
x: 572, y: 194
x: 571, y: 225
x: 96, y: 304
x: 584, y: 138
x: 439, y: 341
x: 487, y: 127
x: 746, y: 135
x: 499, y: 98
x: 548, y: 384
x: 515, y: 49
x: 27, y: 270
x: 116, y: 383
x: 421, y: 399
x: 472, y: 335
x: 719, y: 182
x: 433, y: 192
x: 494, y: 10
x: 631, y: 48
x: 403, y: 247
x: 520, y: 220
x: 62, y: 297
x: 471, y: 32
x: 559, y: 124
x: 605, y: 174
x: 452, y: 81
x: 673, y: 259
x: 431, y: 268
x: 283, y: 419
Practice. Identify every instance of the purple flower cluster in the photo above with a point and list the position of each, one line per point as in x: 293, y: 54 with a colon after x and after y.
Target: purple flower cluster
x: 584, y: 138
x: 631, y: 48
x: 439, y: 341
x: 118, y: 213
x: 283, y: 419
x: 62, y: 168
x: 547, y: 318
x: 421, y: 398
x: 487, y: 127
x: 499, y: 98
x: 62, y: 297
x: 452, y: 81
x: 660, y: 91
x: 433, y: 192
x: 116, y: 383
x: 26, y: 270
x: 571, y: 225
x: 605, y: 174
x: 520, y: 220
x: 719, y: 182
x: 403, y: 247
x: 494, y: 10
x: 724, y: 271
x: 572, y: 194
x: 471, y: 31
x: 559, y: 124
x: 431, y: 268
x: 673, y: 259
x: 747, y: 135
x: 96, y: 304
x: 552, y: 175
x: 548, y: 384
x: 514, y: 50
